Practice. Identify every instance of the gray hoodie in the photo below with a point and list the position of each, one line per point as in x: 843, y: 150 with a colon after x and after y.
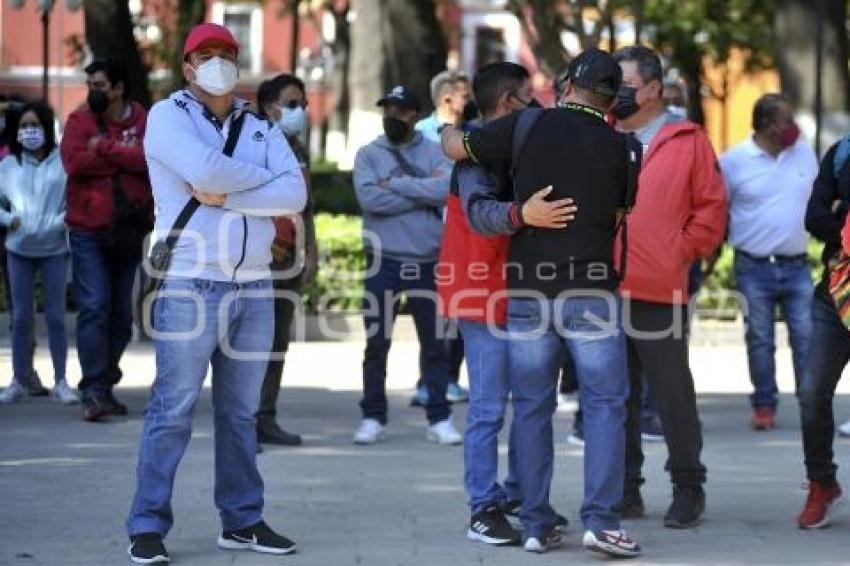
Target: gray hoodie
x: 35, y: 192
x: 404, y: 220
x: 262, y: 180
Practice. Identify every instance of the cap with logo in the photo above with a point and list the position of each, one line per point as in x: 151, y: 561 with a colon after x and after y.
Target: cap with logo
x: 402, y: 97
x: 596, y: 71
x: 207, y: 32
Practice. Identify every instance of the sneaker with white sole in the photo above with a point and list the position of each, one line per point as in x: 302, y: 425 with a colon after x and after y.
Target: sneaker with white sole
x: 444, y: 433
x: 844, y: 430
x: 63, y: 393
x: 147, y: 548
x: 542, y: 545
x: 259, y: 538
x: 13, y: 393
x: 611, y: 542
x: 370, y: 431
x: 456, y: 394
x: 490, y: 526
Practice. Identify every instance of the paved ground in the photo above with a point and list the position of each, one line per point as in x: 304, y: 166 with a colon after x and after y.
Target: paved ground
x: 65, y: 486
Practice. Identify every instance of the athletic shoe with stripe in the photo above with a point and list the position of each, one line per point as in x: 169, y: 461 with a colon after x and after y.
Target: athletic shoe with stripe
x: 541, y: 545
x: 491, y: 527
x: 259, y: 538
x: 611, y: 542
x: 147, y: 548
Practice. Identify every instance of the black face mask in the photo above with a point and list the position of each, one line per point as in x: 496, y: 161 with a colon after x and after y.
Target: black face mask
x: 470, y: 112
x: 98, y: 101
x: 396, y: 130
x: 627, y: 105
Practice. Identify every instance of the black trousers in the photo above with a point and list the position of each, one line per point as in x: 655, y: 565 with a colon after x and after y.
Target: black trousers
x: 658, y: 349
x: 828, y: 355
x: 284, y: 310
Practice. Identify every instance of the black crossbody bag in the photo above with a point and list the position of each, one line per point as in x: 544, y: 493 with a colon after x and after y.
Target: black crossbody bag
x: 159, y: 260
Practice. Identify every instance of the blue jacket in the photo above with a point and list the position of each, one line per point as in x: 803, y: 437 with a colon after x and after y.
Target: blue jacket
x: 404, y: 220
x: 35, y: 192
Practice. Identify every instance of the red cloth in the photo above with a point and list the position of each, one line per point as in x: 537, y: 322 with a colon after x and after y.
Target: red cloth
x: 91, y: 206
x: 845, y: 236
x: 284, y: 226
x: 470, y: 270
x: 680, y: 214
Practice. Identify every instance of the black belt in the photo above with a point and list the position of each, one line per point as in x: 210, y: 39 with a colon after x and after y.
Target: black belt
x: 773, y: 258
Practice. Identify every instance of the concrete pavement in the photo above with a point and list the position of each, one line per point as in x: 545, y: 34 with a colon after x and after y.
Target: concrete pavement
x: 65, y: 486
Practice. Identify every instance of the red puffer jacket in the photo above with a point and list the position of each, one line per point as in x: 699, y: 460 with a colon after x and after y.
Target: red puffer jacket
x: 471, y: 270
x: 90, y: 168
x: 679, y: 217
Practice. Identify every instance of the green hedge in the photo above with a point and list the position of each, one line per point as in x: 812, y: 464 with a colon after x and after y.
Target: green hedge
x: 332, y: 190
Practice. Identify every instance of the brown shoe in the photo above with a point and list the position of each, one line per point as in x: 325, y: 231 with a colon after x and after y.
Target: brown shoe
x: 764, y: 418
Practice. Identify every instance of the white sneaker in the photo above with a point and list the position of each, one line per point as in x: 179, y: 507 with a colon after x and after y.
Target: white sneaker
x: 611, y: 543
x: 370, y: 431
x: 844, y: 430
x: 12, y: 393
x: 544, y: 544
x: 63, y: 393
x: 444, y: 433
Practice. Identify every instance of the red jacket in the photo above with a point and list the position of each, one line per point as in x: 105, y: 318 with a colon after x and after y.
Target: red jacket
x: 90, y: 169
x: 471, y: 270
x: 679, y: 217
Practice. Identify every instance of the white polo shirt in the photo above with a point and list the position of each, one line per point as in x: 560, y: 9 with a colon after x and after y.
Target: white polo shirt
x: 768, y: 197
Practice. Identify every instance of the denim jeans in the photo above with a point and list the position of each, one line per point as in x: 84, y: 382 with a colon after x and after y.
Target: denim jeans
x: 383, y: 290
x: 103, y: 288
x: 590, y: 327
x: 765, y: 284
x: 489, y: 389
x: 199, y: 323
x: 54, y: 276
x: 828, y: 356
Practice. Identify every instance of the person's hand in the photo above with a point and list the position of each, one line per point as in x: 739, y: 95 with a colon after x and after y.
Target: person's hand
x: 15, y: 224
x: 210, y: 199
x: 438, y: 173
x: 279, y: 252
x: 540, y: 213
x: 311, y: 264
x: 384, y: 183
x: 93, y: 142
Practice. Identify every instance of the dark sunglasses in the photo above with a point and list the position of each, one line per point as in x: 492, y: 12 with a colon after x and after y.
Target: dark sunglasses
x: 293, y: 104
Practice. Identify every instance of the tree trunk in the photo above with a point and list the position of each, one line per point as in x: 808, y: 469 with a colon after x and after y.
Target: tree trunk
x: 189, y: 14
x: 341, y: 49
x: 795, y: 26
x: 392, y: 42
x: 109, y: 33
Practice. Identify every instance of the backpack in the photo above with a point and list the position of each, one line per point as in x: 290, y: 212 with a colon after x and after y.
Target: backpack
x: 838, y: 281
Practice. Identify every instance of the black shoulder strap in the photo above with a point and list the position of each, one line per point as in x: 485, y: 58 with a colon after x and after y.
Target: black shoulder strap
x: 634, y: 159
x: 525, y: 122
x: 193, y: 204
x: 405, y: 165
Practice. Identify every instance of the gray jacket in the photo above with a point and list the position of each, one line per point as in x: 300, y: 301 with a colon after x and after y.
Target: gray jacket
x: 35, y: 192
x: 403, y: 221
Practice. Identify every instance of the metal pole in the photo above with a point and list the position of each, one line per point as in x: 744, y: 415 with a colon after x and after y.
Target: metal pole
x: 45, y: 32
x: 819, y: 74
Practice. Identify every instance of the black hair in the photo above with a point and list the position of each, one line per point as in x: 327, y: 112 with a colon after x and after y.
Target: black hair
x: 766, y: 109
x: 648, y: 62
x: 114, y: 71
x: 45, y: 115
x: 270, y: 90
x: 495, y: 80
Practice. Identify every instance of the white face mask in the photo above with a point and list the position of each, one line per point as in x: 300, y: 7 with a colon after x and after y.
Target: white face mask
x: 217, y: 76
x: 679, y: 111
x: 293, y: 121
x: 32, y: 138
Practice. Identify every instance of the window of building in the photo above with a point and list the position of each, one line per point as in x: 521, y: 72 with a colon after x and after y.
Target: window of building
x: 245, y: 21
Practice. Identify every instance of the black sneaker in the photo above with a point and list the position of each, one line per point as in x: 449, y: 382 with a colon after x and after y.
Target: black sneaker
x: 511, y: 509
x: 490, y: 526
x: 34, y: 386
x: 259, y: 538
x: 271, y: 433
x: 147, y: 548
x: 686, y: 509
x: 95, y: 409
x: 116, y: 407
x: 651, y: 430
x: 631, y: 505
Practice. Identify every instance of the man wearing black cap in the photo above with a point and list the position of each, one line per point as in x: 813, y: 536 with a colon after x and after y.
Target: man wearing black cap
x: 401, y: 181
x: 563, y: 293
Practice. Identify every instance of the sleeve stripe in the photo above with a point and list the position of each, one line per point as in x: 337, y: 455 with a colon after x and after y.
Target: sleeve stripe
x: 469, y: 149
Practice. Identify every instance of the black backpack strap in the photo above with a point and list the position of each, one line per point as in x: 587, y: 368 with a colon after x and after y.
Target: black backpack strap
x: 193, y: 204
x: 525, y: 122
x: 634, y: 158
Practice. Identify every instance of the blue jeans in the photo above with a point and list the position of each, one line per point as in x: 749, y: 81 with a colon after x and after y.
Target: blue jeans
x: 103, y: 288
x: 829, y: 354
x: 231, y: 327
x: 489, y: 389
x: 383, y: 290
x: 22, y: 274
x: 538, y: 331
x: 765, y: 284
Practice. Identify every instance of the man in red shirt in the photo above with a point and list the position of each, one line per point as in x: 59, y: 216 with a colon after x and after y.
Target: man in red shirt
x: 110, y: 211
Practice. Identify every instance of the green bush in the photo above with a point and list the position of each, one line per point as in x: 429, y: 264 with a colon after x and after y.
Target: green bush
x: 339, y: 282
x: 332, y: 190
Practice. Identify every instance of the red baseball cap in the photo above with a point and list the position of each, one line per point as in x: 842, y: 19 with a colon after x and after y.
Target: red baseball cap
x: 203, y: 33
